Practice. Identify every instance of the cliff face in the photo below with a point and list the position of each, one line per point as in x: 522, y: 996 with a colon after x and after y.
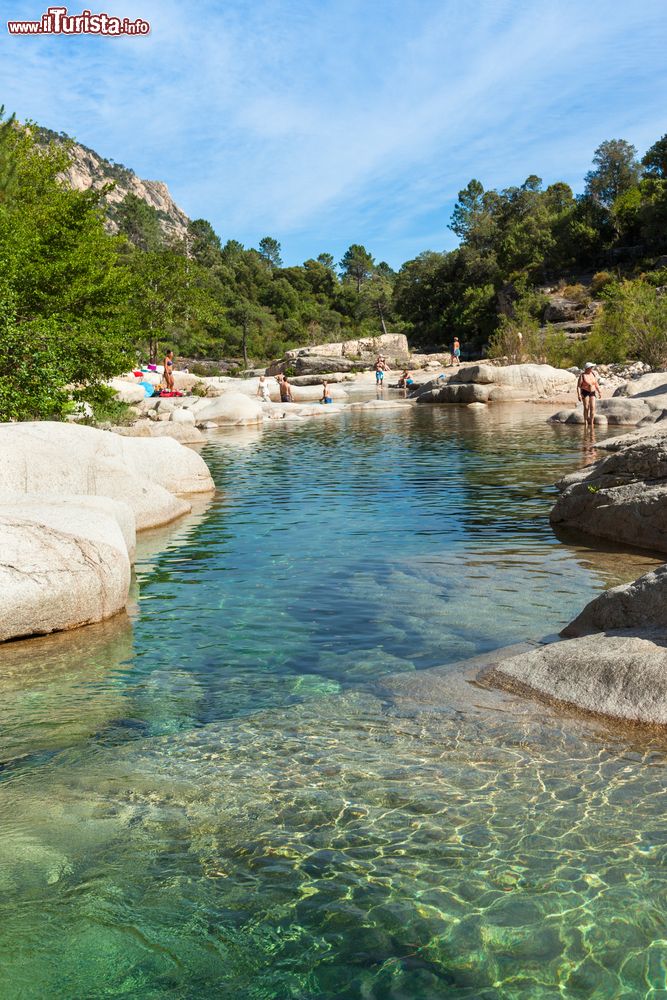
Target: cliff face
x: 89, y: 170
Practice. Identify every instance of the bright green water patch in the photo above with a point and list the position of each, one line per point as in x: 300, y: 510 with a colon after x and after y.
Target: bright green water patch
x: 228, y: 796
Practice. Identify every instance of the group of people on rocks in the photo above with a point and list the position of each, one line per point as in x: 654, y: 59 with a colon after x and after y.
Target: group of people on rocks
x: 588, y: 387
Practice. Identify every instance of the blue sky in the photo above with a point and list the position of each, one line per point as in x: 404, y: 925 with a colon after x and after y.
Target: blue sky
x: 347, y: 121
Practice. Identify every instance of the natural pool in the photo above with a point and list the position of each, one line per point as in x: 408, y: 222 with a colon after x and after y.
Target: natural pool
x: 250, y: 788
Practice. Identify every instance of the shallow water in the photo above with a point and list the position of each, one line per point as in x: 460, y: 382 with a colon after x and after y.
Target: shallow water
x: 250, y: 788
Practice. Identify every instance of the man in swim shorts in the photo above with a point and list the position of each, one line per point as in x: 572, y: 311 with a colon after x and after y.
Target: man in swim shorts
x: 380, y: 369
x: 588, y: 388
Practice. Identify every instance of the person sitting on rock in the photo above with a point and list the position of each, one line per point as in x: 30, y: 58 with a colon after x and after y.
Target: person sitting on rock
x: 588, y: 388
x: 326, y: 398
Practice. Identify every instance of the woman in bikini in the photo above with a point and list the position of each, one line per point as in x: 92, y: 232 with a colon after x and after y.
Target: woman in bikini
x: 588, y: 388
x: 169, y: 370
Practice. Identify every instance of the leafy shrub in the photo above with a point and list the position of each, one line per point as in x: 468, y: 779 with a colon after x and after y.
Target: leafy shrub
x: 656, y: 278
x: 577, y: 293
x: 600, y: 281
x: 633, y: 323
x: 106, y: 408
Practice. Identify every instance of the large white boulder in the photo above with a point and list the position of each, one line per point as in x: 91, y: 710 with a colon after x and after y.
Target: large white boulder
x: 184, y: 432
x: 56, y: 459
x: 488, y: 383
x: 231, y: 408
x: 646, y: 386
x: 63, y: 563
x: 127, y: 391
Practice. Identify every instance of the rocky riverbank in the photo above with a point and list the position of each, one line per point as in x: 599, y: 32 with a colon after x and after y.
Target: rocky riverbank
x: 72, y: 501
x: 613, y: 660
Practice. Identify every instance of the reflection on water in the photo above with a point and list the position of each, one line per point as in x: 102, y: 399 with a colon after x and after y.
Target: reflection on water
x: 259, y: 789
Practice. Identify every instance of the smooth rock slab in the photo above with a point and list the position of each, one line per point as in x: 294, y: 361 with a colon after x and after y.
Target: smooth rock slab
x: 65, y: 459
x: 230, y: 408
x: 615, y: 674
x: 62, y: 565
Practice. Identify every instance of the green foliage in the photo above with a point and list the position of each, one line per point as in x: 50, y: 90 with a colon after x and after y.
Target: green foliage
x: 139, y: 222
x: 600, y: 281
x: 616, y: 171
x: 357, y: 265
x: 269, y: 249
x: 61, y: 290
x: 654, y: 160
x: 577, y: 293
x: 634, y: 323
x: 106, y: 409
x: 82, y: 302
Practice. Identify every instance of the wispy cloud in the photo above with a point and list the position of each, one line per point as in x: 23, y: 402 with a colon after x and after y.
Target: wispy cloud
x: 329, y: 122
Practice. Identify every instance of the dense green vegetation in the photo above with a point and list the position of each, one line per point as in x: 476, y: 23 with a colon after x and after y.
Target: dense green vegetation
x: 78, y: 304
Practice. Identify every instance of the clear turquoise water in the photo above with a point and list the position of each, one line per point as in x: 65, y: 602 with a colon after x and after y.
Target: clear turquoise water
x: 273, y: 780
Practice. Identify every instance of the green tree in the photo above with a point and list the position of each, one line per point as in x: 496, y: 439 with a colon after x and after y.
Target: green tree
x: 204, y: 243
x: 356, y: 265
x: 377, y: 294
x: 327, y: 260
x: 269, y: 250
x: 140, y: 222
x: 654, y: 160
x: 616, y: 169
x: 61, y: 287
x: 634, y: 323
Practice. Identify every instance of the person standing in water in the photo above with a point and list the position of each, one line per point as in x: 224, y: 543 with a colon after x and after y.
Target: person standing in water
x: 588, y: 388
x: 380, y: 369
x: 326, y: 397
x: 456, y: 352
x: 285, y: 390
x: 169, y: 370
x: 263, y: 390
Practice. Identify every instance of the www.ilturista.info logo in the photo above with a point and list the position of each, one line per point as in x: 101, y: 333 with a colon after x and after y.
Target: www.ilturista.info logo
x: 56, y: 21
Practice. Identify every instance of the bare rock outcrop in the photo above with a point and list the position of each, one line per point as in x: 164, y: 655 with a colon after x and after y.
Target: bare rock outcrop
x: 344, y: 356
x: 631, y: 411
x: 623, y: 496
x: 494, y: 383
x: 639, y: 605
x: 64, y: 459
x: 90, y: 171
